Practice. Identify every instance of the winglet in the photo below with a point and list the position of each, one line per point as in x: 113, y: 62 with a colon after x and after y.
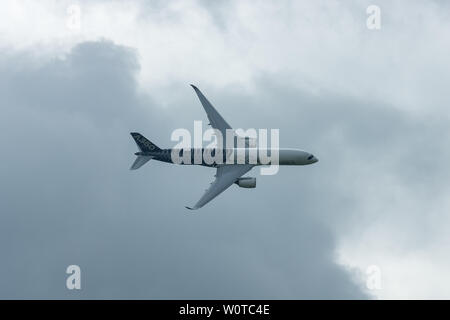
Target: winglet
x: 191, y: 208
x: 215, y: 119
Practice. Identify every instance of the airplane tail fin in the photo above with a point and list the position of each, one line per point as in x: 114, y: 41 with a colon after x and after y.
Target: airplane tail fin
x: 139, y: 162
x: 143, y: 143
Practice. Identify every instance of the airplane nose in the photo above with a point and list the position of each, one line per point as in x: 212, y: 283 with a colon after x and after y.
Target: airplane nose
x: 312, y: 158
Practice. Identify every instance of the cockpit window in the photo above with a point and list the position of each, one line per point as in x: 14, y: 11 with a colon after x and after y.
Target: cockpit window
x: 310, y: 157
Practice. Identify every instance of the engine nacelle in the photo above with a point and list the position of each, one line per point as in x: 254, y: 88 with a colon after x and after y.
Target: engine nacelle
x: 247, y: 182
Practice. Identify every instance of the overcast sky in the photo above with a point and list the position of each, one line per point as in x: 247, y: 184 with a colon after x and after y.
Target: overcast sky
x: 372, y: 105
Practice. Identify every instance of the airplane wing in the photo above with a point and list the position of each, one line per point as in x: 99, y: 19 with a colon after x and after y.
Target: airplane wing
x: 226, y: 175
x: 215, y: 119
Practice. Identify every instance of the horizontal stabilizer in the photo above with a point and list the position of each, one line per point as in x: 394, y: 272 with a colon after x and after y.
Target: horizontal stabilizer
x: 139, y: 162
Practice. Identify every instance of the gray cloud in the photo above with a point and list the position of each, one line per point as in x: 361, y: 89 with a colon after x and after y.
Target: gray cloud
x: 68, y: 197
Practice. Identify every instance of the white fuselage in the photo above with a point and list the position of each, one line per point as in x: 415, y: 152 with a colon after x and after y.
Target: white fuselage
x: 213, y: 157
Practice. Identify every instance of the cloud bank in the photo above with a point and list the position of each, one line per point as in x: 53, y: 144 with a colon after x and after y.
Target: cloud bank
x: 372, y: 105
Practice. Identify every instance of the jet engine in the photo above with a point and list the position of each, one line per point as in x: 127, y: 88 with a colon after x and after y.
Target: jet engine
x: 247, y: 182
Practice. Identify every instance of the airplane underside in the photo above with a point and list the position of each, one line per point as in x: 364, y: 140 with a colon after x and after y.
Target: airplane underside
x: 230, y: 163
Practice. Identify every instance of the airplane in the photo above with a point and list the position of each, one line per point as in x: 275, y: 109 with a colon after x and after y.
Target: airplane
x: 226, y: 173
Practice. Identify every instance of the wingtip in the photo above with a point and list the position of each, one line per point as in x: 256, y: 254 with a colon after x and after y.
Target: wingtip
x: 195, y: 88
x: 190, y: 208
